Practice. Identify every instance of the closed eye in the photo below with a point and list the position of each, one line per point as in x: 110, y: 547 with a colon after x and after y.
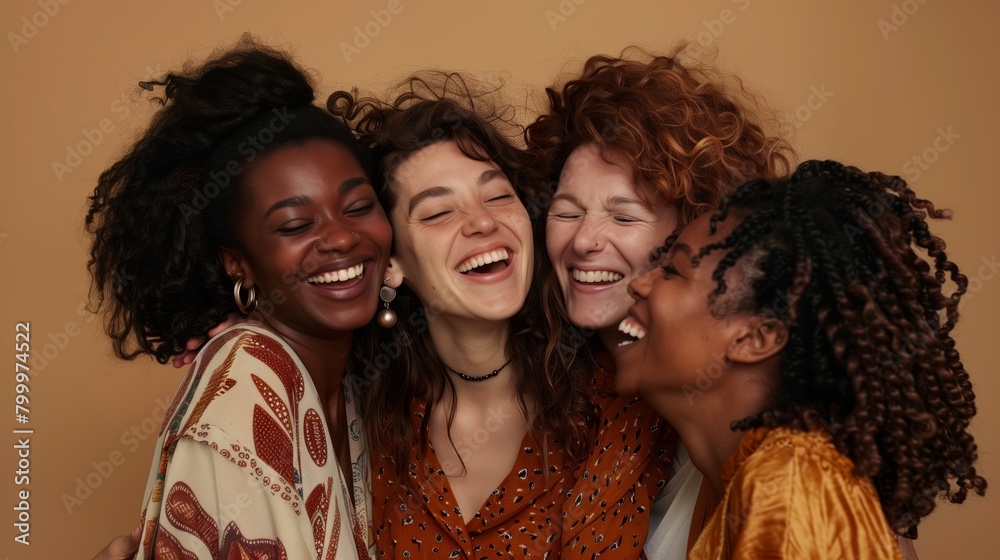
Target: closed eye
x: 361, y: 209
x: 435, y: 216
x: 669, y: 270
x: 501, y: 197
x: 294, y: 228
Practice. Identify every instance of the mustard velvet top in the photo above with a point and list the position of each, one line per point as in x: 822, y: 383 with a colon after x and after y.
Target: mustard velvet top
x: 791, y: 494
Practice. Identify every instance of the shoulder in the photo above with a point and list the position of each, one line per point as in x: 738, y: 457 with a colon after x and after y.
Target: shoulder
x: 792, y: 491
x: 794, y: 468
x: 251, y: 350
x: 243, y: 365
x: 784, y: 448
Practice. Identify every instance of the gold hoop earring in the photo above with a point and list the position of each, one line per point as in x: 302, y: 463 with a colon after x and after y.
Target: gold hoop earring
x: 251, y: 303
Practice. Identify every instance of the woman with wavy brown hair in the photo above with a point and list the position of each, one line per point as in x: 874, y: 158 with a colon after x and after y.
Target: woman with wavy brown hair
x: 799, y: 338
x: 480, y: 450
x: 633, y: 148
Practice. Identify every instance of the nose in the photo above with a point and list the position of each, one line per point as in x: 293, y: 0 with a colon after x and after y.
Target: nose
x: 337, y: 236
x: 590, y: 237
x: 479, y: 222
x: 639, y: 287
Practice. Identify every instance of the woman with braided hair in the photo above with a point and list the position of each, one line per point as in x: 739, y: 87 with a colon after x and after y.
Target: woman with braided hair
x: 802, y: 347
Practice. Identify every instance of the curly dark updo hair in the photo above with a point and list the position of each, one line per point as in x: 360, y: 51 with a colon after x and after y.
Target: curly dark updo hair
x: 434, y: 107
x: 836, y: 254
x: 160, y: 213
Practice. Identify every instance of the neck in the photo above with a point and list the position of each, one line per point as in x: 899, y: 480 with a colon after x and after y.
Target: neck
x: 325, y: 359
x: 474, y: 348
x: 611, y: 337
x: 703, y: 418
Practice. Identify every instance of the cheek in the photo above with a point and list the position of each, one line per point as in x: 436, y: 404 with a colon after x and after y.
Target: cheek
x: 383, y: 236
x: 636, y: 249
x: 557, y: 238
x: 517, y: 219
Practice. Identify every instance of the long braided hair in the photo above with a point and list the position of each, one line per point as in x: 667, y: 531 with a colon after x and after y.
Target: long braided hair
x: 835, y: 253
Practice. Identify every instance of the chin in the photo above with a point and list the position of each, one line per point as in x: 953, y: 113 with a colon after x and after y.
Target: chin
x: 498, y: 313
x: 350, y: 320
x: 591, y: 319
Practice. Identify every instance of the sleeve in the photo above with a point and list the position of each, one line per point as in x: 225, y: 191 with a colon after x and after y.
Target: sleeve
x: 229, y: 483
x: 606, y: 513
x: 807, y: 505
x: 212, y: 509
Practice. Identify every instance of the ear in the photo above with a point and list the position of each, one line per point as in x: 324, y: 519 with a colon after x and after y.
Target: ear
x: 236, y: 266
x: 394, y: 273
x: 758, y: 340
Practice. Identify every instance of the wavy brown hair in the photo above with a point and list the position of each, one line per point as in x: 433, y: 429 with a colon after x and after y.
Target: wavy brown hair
x: 870, y: 357
x: 433, y: 108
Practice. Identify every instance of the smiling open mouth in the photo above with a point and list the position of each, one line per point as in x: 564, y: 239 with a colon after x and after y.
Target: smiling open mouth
x: 596, y: 276
x: 342, y: 275
x: 629, y: 327
x: 486, y: 263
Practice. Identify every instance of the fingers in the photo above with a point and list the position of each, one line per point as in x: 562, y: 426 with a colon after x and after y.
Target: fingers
x: 121, y: 548
x: 193, y: 344
x: 184, y: 359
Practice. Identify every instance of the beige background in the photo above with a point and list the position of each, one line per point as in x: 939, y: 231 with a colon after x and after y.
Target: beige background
x: 921, y: 84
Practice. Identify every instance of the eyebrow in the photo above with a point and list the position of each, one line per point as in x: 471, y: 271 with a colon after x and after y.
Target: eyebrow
x: 567, y: 197
x: 489, y: 175
x: 429, y: 193
x: 681, y: 247
x: 626, y: 201
x: 484, y: 177
x: 291, y: 202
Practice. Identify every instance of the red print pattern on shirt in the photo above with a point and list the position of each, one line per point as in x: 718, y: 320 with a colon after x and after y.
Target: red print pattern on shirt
x: 316, y: 508
x: 272, y: 444
x: 273, y: 402
x: 186, y: 513
x: 315, y: 437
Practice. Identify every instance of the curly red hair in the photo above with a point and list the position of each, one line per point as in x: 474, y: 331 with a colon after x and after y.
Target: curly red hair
x: 690, y: 133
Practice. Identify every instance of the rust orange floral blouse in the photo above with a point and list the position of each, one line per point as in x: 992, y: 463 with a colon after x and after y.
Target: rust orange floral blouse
x: 791, y: 494
x: 596, y: 507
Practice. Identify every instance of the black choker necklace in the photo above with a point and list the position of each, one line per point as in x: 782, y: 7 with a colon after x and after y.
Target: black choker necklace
x: 493, y: 373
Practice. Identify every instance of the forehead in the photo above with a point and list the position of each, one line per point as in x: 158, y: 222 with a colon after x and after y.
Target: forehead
x: 440, y: 164
x: 595, y: 177
x: 586, y: 166
x: 697, y: 235
x: 314, y: 164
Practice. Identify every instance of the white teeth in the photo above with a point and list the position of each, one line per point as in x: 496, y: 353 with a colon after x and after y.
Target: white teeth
x: 592, y: 277
x: 341, y: 275
x: 630, y: 328
x: 483, y: 259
